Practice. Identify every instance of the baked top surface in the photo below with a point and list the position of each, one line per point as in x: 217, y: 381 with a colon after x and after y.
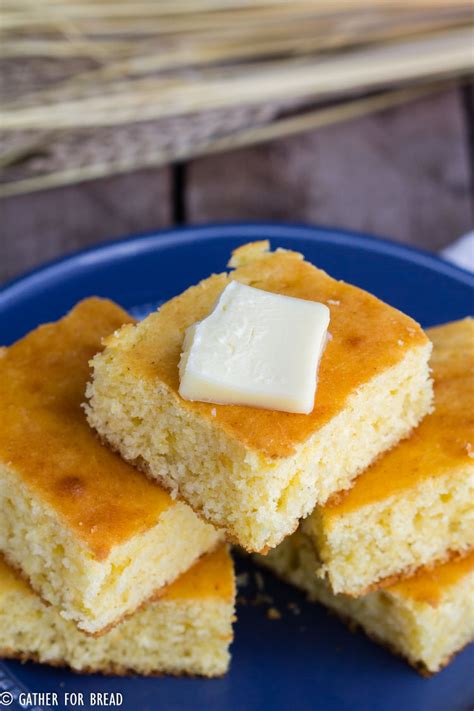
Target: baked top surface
x: 430, y: 584
x: 311, y: 652
x: 442, y: 442
x: 211, y: 577
x: 368, y: 336
x: 46, y: 441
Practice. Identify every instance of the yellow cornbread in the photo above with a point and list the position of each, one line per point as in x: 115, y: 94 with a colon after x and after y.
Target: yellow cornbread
x: 186, y: 630
x: 251, y: 471
x: 415, y: 505
x: 426, y: 618
x: 89, y: 532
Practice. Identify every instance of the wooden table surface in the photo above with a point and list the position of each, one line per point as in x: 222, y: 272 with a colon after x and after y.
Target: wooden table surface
x: 406, y: 174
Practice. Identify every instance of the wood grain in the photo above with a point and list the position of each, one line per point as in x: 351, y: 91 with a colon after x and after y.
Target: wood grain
x: 403, y: 173
x: 40, y: 226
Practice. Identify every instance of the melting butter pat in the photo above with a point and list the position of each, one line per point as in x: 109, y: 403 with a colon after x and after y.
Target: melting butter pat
x: 255, y: 348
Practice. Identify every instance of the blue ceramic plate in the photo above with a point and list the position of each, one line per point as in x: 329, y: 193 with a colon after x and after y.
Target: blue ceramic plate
x: 305, y: 661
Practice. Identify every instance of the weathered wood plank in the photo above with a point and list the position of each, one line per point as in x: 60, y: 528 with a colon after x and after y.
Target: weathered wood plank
x: 402, y: 173
x: 44, y: 225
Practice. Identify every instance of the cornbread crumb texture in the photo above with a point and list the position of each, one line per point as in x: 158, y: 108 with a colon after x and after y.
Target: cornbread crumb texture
x: 359, y: 349
x: 440, y: 444
x: 251, y: 471
x: 187, y: 630
x: 426, y: 618
x: 99, y: 497
x: 88, y: 531
x: 416, y: 503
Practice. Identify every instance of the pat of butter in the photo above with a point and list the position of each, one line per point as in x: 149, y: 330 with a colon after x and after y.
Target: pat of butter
x: 255, y: 348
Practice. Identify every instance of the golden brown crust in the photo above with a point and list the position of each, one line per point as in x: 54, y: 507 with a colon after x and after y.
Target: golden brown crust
x: 210, y: 577
x: 426, y: 582
x: 441, y: 444
x: 102, y: 500
x: 368, y: 337
x: 248, y: 253
x: 110, y: 670
x: 430, y: 582
x: 339, y: 497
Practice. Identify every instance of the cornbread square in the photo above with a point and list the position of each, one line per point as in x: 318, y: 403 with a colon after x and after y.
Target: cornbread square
x: 425, y: 618
x: 186, y: 630
x: 415, y: 505
x: 251, y: 471
x: 91, y: 534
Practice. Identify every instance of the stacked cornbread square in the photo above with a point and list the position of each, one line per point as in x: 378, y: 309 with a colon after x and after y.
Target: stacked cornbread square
x: 187, y: 629
x: 415, y: 504
x: 426, y: 618
x: 400, y: 543
x: 256, y: 472
x: 87, y: 531
x: 108, y: 568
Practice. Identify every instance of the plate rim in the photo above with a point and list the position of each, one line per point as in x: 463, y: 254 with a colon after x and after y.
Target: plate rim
x: 216, y: 230
x: 60, y: 267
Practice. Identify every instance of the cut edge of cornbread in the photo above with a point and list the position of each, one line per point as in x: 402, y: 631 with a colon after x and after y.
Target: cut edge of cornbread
x: 428, y: 633
x: 259, y: 516
x: 179, y: 633
x: 251, y: 471
x: 88, y: 532
x: 361, y: 550
x: 414, y: 505
x: 65, y: 572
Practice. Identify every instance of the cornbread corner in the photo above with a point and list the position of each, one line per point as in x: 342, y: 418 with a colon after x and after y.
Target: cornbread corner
x: 91, y: 534
x: 414, y: 505
x: 186, y: 630
x: 426, y: 618
x: 251, y: 471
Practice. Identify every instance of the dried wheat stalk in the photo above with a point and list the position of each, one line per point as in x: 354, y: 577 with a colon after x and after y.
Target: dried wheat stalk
x: 120, y: 62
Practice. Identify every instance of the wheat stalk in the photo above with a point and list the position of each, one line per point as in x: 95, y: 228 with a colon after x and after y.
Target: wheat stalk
x: 147, y: 60
x: 307, y: 121
x: 152, y: 98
